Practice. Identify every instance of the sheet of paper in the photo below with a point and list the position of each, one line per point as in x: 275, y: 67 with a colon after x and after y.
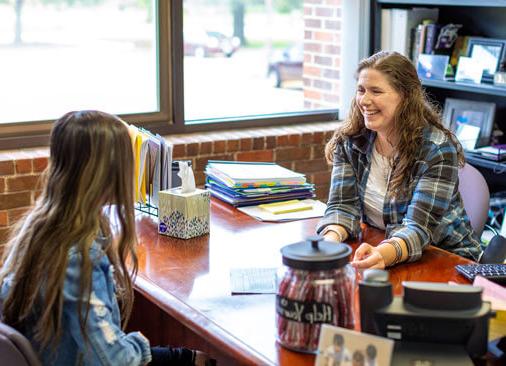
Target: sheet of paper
x: 253, y: 280
x: 317, y: 211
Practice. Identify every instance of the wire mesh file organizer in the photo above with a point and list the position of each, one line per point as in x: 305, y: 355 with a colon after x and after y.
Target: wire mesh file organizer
x: 155, y: 171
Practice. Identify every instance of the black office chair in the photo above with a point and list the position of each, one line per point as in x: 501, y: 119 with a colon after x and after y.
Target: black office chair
x: 476, y: 197
x: 15, y: 349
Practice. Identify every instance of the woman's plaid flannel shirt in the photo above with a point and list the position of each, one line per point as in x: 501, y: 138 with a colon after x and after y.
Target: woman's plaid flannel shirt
x: 431, y: 209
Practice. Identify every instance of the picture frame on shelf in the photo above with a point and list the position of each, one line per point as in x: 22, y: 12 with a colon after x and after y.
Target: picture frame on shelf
x: 432, y: 66
x: 469, y: 70
x: 459, y: 112
x: 488, y: 52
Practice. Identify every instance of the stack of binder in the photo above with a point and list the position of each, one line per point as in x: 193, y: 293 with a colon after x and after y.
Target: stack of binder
x: 251, y: 183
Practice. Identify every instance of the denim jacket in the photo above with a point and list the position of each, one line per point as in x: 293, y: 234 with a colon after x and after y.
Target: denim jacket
x: 431, y: 210
x: 108, y: 344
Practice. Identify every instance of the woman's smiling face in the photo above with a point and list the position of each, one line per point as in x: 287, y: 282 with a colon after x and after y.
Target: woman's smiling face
x: 377, y: 100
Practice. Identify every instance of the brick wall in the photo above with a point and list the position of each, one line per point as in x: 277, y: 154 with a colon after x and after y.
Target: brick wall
x: 322, y: 53
x: 296, y: 147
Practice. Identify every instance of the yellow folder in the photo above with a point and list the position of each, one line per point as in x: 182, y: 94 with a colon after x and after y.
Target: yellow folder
x: 286, y: 206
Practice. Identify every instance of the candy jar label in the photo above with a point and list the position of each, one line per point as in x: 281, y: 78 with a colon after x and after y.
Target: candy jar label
x: 309, y: 312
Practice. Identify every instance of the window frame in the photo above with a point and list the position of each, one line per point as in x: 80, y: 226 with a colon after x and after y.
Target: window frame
x: 170, y: 117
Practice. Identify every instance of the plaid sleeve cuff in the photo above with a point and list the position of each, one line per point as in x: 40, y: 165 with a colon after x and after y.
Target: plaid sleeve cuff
x: 349, y: 222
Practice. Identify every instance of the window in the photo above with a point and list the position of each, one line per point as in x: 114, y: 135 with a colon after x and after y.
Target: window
x: 61, y: 55
x: 174, y: 66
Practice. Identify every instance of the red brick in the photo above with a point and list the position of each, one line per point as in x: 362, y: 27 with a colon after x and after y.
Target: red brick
x: 2, y: 185
x: 324, y: 36
x: 258, y: 143
x: 312, y: 47
x: 320, y: 178
x: 308, y: 10
x: 332, y: 25
x: 4, y: 234
x: 7, y: 167
x: 232, y: 145
x: 4, y: 220
x: 258, y: 155
x: 14, y: 200
x: 39, y: 164
x: 318, y: 152
x: 23, y: 166
x: 322, y: 192
x: 15, y: 214
x: 324, y: 12
x: 311, y: 94
x: 246, y: 144
x: 192, y: 149
x: 318, y: 137
x: 179, y: 151
x: 312, y: 23
x: 22, y: 183
x: 200, y: 164
x: 286, y: 164
x: 293, y: 153
x: 206, y: 147
x: 219, y: 147
x: 311, y: 71
x: 288, y: 140
x: 200, y: 179
x: 310, y: 166
x: 270, y: 142
x: 306, y: 138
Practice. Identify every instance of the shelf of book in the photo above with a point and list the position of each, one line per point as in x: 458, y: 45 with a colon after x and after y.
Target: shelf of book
x: 481, y: 3
x: 488, y: 89
x: 498, y: 167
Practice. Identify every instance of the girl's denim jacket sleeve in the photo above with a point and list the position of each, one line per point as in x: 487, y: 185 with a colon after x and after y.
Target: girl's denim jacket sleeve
x: 107, y: 343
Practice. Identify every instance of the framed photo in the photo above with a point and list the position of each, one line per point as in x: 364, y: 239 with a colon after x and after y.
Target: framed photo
x: 460, y: 112
x: 432, y: 66
x: 343, y: 347
x: 489, y: 52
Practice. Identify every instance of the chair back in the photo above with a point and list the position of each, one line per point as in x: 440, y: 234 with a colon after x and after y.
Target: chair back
x: 475, y: 195
x: 15, y: 349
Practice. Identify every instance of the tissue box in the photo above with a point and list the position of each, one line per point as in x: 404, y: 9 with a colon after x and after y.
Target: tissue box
x: 183, y: 215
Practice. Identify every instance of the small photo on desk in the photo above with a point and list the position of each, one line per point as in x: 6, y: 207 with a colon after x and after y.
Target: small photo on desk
x: 344, y: 347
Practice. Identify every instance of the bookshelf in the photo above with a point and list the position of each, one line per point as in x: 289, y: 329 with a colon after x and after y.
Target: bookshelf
x: 480, y: 18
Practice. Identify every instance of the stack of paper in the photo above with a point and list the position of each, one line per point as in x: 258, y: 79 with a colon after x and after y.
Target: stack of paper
x: 251, y: 183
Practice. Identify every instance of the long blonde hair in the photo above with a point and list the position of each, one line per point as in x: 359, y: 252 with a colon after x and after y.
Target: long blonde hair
x: 90, y: 166
x: 413, y: 114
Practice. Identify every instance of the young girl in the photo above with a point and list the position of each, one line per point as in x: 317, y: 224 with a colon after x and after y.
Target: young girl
x: 64, y: 281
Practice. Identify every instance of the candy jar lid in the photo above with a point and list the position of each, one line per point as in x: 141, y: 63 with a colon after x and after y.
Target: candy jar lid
x: 316, y: 254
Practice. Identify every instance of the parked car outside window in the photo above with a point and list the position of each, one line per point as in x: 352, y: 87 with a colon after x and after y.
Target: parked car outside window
x: 286, y: 67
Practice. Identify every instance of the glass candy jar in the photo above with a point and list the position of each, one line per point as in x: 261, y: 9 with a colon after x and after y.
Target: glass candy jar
x: 315, y: 286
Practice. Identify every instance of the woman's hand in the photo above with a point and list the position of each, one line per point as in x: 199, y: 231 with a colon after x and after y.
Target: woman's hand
x: 367, y: 256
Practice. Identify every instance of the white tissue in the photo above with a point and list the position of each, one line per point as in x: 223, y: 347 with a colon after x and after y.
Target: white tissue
x: 187, y: 177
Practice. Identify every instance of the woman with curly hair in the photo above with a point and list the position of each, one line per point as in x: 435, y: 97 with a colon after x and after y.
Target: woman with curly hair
x: 395, y: 167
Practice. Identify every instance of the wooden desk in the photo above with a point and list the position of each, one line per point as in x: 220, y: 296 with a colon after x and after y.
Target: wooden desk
x: 183, y: 295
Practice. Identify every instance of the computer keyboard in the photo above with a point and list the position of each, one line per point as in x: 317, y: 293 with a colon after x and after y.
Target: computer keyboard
x: 492, y: 272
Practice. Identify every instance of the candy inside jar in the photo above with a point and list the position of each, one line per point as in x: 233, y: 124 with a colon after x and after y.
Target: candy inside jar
x: 315, y: 287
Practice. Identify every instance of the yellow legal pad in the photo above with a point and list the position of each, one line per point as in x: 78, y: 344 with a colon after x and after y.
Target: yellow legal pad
x: 286, y: 207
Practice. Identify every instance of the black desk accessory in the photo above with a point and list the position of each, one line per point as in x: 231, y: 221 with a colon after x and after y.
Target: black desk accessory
x: 428, y: 312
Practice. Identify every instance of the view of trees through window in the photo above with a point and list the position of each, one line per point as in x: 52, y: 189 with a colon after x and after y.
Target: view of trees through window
x: 61, y: 55
x: 242, y: 57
